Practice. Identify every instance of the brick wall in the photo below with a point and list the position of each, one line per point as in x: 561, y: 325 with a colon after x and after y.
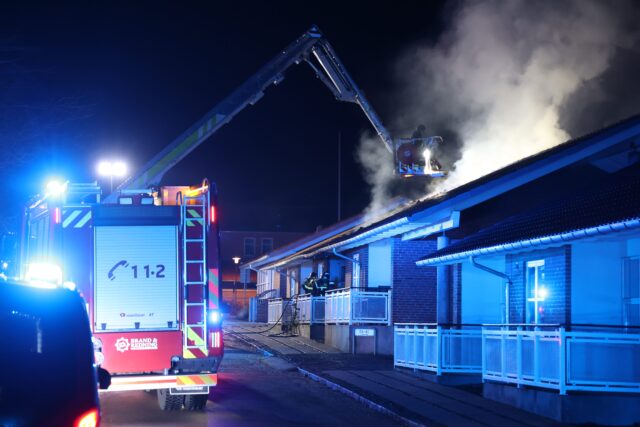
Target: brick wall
x: 456, y: 293
x: 414, y: 288
x: 555, y: 276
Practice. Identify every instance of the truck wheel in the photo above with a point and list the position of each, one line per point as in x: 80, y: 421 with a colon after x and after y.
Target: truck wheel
x: 195, y: 402
x: 169, y: 402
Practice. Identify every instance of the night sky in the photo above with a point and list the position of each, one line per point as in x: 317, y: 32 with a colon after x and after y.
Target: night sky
x: 81, y: 82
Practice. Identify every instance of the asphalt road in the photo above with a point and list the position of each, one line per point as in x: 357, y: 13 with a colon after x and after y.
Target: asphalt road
x: 252, y: 390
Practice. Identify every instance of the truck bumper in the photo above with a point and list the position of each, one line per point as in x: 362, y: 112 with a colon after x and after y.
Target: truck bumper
x: 154, y: 382
x: 182, y: 365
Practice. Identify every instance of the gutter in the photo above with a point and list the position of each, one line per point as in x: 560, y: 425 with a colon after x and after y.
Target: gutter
x: 559, y: 238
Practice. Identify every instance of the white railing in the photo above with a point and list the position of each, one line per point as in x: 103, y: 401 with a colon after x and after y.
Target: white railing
x: 524, y: 357
x: 438, y: 349
x: 349, y: 306
x: 274, y: 309
x: 564, y: 361
x: 310, y: 309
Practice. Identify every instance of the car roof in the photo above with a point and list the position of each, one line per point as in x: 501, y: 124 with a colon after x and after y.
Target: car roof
x: 15, y: 294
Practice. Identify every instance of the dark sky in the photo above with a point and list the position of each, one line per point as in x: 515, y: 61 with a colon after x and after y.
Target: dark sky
x: 84, y: 81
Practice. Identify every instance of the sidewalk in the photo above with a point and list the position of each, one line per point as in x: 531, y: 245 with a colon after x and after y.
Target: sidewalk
x: 373, y: 381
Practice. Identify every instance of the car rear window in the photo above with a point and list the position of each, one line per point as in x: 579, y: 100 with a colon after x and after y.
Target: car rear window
x: 47, y: 363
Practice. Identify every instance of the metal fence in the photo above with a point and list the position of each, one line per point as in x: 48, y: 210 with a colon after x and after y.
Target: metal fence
x: 545, y: 356
x: 351, y: 305
x: 274, y: 309
x: 524, y: 357
x: 561, y: 360
x: 310, y: 309
x: 438, y: 349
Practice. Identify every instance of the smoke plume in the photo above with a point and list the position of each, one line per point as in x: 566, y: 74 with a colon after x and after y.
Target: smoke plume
x: 500, y: 78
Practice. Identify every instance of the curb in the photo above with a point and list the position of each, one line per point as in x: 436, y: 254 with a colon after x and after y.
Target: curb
x: 367, y: 402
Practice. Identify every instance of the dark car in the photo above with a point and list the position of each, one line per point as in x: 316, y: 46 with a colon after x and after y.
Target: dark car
x: 47, y: 373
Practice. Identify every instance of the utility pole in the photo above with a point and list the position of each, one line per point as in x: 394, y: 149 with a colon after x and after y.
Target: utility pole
x: 339, y: 175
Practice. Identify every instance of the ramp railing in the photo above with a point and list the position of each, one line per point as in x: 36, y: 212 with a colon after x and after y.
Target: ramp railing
x: 274, y: 309
x: 438, y: 348
x: 310, y: 309
x: 357, y: 306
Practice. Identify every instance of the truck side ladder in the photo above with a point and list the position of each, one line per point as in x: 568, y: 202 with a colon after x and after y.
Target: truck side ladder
x: 194, y: 210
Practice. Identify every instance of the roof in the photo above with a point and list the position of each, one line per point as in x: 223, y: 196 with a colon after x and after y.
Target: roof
x: 334, y: 231
x: 611, y: 203
x: 425, y: 212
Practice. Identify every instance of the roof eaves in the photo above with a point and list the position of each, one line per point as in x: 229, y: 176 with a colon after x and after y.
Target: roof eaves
x: 614, y: 227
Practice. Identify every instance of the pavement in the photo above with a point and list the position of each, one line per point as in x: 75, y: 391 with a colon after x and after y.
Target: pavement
x: 408, y: 398
x: 253, y: 390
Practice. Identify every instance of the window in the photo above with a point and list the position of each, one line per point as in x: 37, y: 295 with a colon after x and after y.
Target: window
x: 355, y: 271
x: 267, y: 245
x: 379, y: 271
x: 536, y: 292
x: 265, y: 281
x: 631, y: 291
x: 249, y: 246
x: 293, y: 282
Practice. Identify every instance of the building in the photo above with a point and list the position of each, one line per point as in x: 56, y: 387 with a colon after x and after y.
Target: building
x: 525, y: 279
x: 235, y: 248
x: 543, y: 288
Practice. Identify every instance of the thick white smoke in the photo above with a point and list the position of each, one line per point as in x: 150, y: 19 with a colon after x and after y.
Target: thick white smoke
x: 377, y: 163
x: 500, y: 74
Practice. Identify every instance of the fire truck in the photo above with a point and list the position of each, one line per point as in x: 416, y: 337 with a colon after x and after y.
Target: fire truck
x: 148, y: 267
x: 146, y: 257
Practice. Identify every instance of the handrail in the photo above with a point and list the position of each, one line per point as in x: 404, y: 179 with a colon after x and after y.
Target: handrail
x: 539, y: 325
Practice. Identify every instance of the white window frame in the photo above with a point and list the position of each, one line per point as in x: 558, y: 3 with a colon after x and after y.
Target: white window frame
x: 536, y: 298
x: 355, y: 271
x: 262, y: 242
x: 380, y: 264
x: 244, y: 246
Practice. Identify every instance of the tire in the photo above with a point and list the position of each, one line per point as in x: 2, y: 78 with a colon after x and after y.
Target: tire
x: 195, y: 402
x: 169, y: 402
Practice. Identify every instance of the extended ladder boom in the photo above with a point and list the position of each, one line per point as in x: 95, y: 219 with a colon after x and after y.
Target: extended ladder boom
x: 329, y: 69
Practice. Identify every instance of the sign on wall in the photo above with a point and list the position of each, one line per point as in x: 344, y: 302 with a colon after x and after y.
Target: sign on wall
x: 136, y: 278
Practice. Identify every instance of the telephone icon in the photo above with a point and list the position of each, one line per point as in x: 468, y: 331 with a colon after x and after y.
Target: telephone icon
x: 111, y: 273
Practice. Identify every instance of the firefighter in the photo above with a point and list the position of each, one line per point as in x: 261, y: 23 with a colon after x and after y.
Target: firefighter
x: 323, y: 284
x: 309, y: 285
x: 421, y: 146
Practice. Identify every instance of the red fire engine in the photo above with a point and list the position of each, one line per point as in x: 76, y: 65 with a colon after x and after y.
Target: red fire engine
x: 147, y: 265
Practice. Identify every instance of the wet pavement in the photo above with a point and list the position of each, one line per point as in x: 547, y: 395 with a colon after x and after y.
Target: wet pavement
x: 254, y: 390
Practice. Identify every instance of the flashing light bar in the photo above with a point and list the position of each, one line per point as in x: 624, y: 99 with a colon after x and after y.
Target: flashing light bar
x: 44, y: 275
x: 215, y: 316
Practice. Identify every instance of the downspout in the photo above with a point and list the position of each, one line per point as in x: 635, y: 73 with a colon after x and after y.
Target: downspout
x: 506, y: 289
x: 345, y: 257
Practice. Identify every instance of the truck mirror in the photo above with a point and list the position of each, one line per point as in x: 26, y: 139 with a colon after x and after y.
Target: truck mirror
x: 104, y: 378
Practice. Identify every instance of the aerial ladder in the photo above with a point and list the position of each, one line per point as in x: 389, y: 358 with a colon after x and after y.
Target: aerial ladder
x: 412, y: 156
